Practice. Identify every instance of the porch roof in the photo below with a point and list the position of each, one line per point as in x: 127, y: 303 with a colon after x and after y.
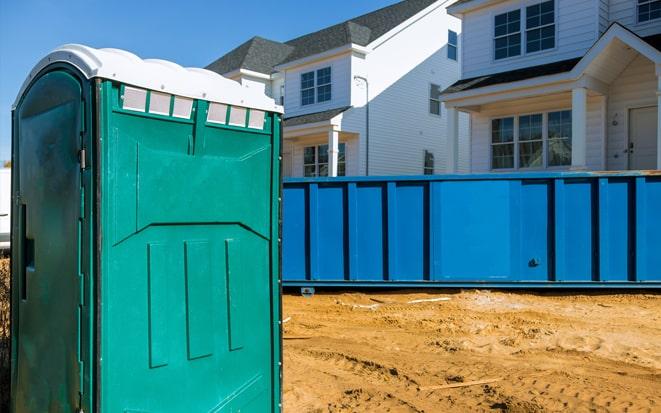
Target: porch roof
x: 316, y: 117
x: 513, y: 75
x: 564, y: 70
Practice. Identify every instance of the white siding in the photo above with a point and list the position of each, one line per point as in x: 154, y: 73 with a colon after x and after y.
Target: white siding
x: 341, y: 83
x: 625, y: 13
x: 254, y: 83
x: 577, y: 28
x: 635, y: 88
x: 481, y: 126
x: 401, y: 72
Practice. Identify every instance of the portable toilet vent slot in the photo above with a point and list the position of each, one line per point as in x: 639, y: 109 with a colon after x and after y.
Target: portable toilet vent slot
x: 182, y: 107
x: 134, y: 99
x: 159, y: 103
x: 156, y: 289
x: 256, y: 119
x: 217, y: 113
x: 238, y: 116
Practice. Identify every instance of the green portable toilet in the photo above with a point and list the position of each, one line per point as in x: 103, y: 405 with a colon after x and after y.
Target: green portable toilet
x: 145, y: 239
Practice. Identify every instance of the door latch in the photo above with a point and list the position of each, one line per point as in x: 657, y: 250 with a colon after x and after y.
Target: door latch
x: 82, y: 158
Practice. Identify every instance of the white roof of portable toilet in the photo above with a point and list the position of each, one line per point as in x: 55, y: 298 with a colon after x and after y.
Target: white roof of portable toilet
x: 154, y: 74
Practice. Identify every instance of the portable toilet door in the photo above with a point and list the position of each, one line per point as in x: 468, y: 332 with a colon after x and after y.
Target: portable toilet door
x: 145, y: 233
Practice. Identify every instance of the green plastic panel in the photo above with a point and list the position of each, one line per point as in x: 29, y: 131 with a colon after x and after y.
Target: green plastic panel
x: 50, y: 303
x: 189, y: 263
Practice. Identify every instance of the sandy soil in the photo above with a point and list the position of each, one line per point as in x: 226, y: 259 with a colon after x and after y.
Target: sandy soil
x: 4, y: 334
x: 355, y: 352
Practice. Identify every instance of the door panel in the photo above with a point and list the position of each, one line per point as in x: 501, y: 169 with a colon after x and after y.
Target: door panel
x: 187, y: 298
x: 49, y: 365
x: 642, y: 138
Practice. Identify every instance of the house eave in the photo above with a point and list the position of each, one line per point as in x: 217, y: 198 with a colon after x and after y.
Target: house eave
x: 458, y: 10
x: 405, y: 24
x: 338, y: 51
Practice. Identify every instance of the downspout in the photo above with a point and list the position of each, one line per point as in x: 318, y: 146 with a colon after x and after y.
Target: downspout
x: 367, y: 123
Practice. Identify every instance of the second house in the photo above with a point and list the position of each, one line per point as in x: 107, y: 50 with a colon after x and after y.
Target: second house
x: 361, y: 97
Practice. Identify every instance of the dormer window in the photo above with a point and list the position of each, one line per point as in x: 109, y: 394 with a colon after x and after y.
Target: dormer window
x: 540, y: 27
x: 648, y: 10
x: 316, y: 86
x: 507, y: 34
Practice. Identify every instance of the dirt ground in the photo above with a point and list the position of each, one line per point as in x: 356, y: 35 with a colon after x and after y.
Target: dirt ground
x: 4, y: 334
x: 358, y: 352
x: 384, y: 352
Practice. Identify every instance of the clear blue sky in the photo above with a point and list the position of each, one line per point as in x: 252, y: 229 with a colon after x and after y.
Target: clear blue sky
x: 188, y: 32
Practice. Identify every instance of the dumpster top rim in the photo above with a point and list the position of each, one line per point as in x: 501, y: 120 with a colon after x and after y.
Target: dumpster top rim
x: 153, y: 74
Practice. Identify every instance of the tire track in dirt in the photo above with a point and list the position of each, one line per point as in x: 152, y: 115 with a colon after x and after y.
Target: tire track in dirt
x: 552, y: 353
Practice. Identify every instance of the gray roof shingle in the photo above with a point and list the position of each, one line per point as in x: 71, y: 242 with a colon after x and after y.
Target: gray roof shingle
x: 257, y: 54
x: 262, y: 55
x: 315, y: 117
x: 512, y: 76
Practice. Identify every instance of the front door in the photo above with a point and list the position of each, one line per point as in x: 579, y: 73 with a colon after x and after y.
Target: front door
x: 642, y: 138
x: 51, y: 321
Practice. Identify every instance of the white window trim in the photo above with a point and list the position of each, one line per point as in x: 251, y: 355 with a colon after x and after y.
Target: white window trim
x: 523, y: 31
x: 555, y: 34
x: 317, y: 164
x: 495, y: 38
x: 516, y: 142
x: 440, y: 103
x: 424, y: 162
x: 313, y: 88
x: 316, y: 85
x: 646, y: 22
x: 456, y: 46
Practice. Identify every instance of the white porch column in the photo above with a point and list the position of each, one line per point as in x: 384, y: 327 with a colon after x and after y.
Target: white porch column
x: 579, y: 130
x: 333, y: 151
x: 452, y: 140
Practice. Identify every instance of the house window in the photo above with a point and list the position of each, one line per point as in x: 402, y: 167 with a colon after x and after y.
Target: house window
x: 648, y: 10
x: 315, y: 160
x: 453, y: 45
x: 507, y: 34
x: 559, y: 132
x: 502, y: 143
x: 324, y: 85
x: 435, y: 99
x: 428, y: 167
x: 316, y: 86
x: 540, y: 27
x: 307, y: 88
x: 531, y: 141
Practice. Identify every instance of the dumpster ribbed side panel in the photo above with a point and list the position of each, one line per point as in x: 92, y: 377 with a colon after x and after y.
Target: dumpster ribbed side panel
x: 510, y: 230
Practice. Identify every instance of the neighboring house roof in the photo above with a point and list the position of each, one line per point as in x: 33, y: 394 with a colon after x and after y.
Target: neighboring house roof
x: 315, y: 117
x: 257, y: 54
x: 533, y: 71
x: 261, y: 55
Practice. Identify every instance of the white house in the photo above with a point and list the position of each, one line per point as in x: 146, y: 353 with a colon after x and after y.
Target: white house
x: 558, y: 84
x: 361, y: 97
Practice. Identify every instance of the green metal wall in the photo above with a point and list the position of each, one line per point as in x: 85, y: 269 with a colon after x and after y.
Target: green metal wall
x: 179, y: 275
